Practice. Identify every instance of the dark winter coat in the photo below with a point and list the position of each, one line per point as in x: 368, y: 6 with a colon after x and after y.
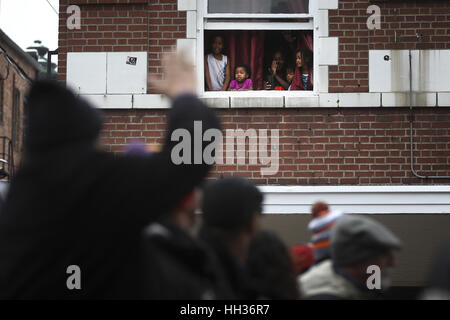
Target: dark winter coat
x: 71, y: 204
x: 235, y: 284
x: 179, y: 266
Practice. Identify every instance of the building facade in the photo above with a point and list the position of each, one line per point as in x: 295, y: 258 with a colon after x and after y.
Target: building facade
x: 370, y: 137
x: 17, y: 71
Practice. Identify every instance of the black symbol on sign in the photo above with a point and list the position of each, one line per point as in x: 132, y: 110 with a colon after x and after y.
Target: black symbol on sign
x: 132, y: 60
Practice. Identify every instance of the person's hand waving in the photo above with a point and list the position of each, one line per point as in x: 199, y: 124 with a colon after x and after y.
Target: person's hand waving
x: 178, y: 78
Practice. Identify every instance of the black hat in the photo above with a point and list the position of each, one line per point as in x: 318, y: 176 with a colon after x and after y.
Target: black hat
x: 55, y: 117
x: 230, y: 203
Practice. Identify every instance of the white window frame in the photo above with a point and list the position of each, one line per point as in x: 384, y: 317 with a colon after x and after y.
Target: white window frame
x: 388, y: 199
x: 203, y: 24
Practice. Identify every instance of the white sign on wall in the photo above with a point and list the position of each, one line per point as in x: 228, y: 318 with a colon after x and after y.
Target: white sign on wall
x: 107, y: 72
x: 389, y: 70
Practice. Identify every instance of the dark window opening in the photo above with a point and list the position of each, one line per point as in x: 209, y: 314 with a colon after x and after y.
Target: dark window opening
x: 16, y: 119
x: 273, y: 60
x: 1, y: 100
x: 24, y: 119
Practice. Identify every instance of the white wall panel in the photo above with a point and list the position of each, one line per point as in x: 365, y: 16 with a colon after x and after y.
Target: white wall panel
x: 430, y: 70
x: 86, y: 72
x: 358, y: 199
x: 126, y: 72
x: 328, y: 51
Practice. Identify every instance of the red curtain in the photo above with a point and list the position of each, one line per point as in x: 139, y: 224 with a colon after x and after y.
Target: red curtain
x: 247, y: 47
x: 308, y: 44
x: 306, y: 41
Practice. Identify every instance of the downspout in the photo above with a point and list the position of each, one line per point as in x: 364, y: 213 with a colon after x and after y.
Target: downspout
x: 411, y: 127
x: 49, y: 62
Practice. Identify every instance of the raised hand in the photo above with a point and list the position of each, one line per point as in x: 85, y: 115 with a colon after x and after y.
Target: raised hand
x: 178, y: 78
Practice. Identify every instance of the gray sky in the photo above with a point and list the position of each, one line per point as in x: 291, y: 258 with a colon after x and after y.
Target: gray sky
x: 27, y: 20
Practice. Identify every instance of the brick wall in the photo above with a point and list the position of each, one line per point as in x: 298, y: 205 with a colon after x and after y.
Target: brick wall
x: 317, y: 146
x: 154, y: 26
x: 428, y: 19
x: 12, y: 79
x: 320, y: 146
x: 121, y: 25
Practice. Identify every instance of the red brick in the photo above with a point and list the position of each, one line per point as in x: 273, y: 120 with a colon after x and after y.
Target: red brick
x: 371, y: 143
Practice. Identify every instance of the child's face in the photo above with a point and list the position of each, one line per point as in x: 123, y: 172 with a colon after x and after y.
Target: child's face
x: 217, y: 45
x: 241, y: 74
x: 278, y: 57
x: 299, y: 59
x: 289, y: 75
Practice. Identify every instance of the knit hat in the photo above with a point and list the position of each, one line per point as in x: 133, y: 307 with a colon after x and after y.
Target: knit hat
x: 321, y: 225
x: 355, y: 239
x: 230, y: 203
x: 56, y: 117
x: 138, y: 148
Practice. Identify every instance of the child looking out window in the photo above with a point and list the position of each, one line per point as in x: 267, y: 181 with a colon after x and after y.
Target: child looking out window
x: 290, y: 72
x: 303, y: 72
x: 275, y: 76
x: 242, y: 79
x: 217, y: 67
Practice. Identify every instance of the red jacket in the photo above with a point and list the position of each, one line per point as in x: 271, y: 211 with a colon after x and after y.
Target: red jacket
x: 297, y: 83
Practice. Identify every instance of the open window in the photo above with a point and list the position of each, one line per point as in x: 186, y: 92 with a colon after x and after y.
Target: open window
x: 15, y: 119
x: 256, y: 33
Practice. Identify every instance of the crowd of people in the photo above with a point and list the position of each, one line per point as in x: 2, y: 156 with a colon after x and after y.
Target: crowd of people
x: 290, y: 68
x: 128, y: 221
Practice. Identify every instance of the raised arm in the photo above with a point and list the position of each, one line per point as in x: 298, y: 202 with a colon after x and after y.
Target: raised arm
x: 159, y: 181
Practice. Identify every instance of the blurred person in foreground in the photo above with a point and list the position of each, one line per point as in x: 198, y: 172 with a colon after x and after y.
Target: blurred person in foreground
x: 231, y: 216
x: 302, y: 258
x: 321, y: 225
x: 438, y: 284
x: 269, y: 268
x: 356, y: 244
x: 178, y: 265
x: 73, y: 206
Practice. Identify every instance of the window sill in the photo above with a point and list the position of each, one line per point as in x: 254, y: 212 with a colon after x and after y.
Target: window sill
x: 261, y: 99
x: 276, y: 99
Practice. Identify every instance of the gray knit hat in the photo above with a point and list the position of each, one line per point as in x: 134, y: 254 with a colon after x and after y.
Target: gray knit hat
x: 355, y: 239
